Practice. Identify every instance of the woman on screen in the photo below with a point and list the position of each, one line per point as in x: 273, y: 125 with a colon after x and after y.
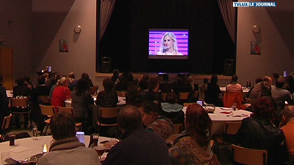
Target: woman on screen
x: 168, y: 45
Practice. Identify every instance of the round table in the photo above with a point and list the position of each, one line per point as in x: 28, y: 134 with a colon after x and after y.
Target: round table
x: 26, y: 147
x: 222, y: 115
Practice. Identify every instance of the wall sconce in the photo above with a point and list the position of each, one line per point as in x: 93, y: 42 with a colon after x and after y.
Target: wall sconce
x: 78, y: 29
x: 256, y: 29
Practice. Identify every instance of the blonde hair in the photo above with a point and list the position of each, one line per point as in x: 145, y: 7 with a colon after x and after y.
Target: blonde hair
x: 62, y: 81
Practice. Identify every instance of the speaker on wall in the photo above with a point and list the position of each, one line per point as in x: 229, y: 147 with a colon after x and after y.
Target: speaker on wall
x: 106, y: 65
x: 228, y: 67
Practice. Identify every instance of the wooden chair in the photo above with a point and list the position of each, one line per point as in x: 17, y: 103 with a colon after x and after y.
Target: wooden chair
x: 249, y: 156
x: 183, y: 95
x: 107, y: 113
x: 6, y: 125
x: 70, y: 111
x: 93, y: 90
x: 231, y: 98
x: 178, y: 128
x: 20, y: 106
x: 48, y: 111
x: 44, y: 100
x: 230, y: 129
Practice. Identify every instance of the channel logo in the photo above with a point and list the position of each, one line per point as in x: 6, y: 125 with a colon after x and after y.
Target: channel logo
x: 254, y: 4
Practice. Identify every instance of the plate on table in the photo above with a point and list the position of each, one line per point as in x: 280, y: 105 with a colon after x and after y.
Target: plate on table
x: 225, y: 108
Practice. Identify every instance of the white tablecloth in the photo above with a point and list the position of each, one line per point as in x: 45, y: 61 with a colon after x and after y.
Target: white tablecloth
x: 27, y: 147
x: 222, y: 115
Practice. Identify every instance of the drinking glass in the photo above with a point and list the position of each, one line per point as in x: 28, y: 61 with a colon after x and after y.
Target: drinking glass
x: 35, y: 132
x: 95, y: 138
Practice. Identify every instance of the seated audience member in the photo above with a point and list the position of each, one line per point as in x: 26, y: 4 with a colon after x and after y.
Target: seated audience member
x: 132, y: 96
x: 72, y: 81
x: 172, y: 109
x: 66, y: 148
x: 28, y: 82
x: 54, y: 81
x: 288, y: 127
x: 281, y: 95
x: 203, y: 89
x: 259, y: 132
x: 138, y: 146
x: 82, y: 101
x: 254, y: 93
x: 234, y: 94
x: 61, y: 93
x: 115, y: 75
x: 3, y: 102
x: 154, y: 121
x: 122, y: 82
x: 152, y: 93
x: 107, y: 97
x: 86, y: 77
x: 20, y: 90
x: 234, y: 86
x: 165, y: 86
x: 192, y: 146
x: 275, y: 77
x: 212, y: 94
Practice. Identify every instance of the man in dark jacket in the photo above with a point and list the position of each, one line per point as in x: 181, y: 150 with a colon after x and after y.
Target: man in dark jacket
x: 138, y: 146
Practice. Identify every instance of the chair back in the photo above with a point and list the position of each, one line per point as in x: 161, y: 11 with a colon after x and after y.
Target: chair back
x: 93, y: 89
x: 249, y: 156
x: 19, y: 102
x: 6, y: 122
x: 44, y: 99
x: 108, y: 112
x: 65, y: 109
x: 233, y: 97
x: 47, y: 110
x: 178, y: 128
x: 184, y: 95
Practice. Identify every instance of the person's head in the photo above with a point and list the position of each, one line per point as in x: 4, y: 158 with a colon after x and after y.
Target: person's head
x: 205, y: 80
x: 171, y: 98
x: 71, y: 75
x: 214, y: 79
x: 129, y: 117
x: 62, y: 126
x: 153, y: 84
x: 234, y: 78
x: 280, y: 82
x: 268, y: 79
x: 265, y: 89
x: 143, y: 84
x: 288, y: 113
x: 19, y: 80
x: 264, y: 107
x: 149, y: 111
x: 258, y: 80
x: 169, y: 42
x: 41, y: 80
x: 82, y: 86
x: 198, y: 123
x: 107, y: 84
x: 132, y: 93
x: 130, y: 77
x: 115, y: 72
x: 145, y: 77
x: 63, y: 81
x: 85, y: 76
x: 276, y: 76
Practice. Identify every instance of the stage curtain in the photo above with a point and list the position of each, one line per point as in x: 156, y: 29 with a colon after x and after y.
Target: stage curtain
x: 106, y: 9
x: 229, y: 16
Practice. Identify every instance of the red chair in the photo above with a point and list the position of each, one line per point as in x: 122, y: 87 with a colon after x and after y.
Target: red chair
x: 233, y: 97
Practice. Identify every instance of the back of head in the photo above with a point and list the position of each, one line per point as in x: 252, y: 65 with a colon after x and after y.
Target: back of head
x: 214, y: 79
x: 205, y: 80
x: 152, y: 83
x: 145, y: 77
x: 85, y: 76
x: 132, y: 93
x: 62, y: 126
x: 41, y: 80
x: 171, y: 98
x: 276, y: 75
x: 71, y: 75
x: 19, y: 80
x: 267, y: 79
x: 265, y: 89
x: 129, y: 118
x: 150, y: 106
x: 82, y: 86
x: 288, y: 112
x: 280, y: 82
x: 62, y: 81
x: 198, y: 123
x: 264, y: 107
x: 115, y: 72
x: 107, y: 84
x: 143, y: 84
x: 234, y: 78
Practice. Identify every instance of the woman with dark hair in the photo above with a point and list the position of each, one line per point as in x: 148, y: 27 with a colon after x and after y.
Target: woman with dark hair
x: 154, y: 121
x: 82, y: 101
x: 172, y: 109
x: 259, y: 132
x: 192, y: 146
x: 107, y: 97
x: 213, y: 93
x: 86, y: 77
x: 132, y: 95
